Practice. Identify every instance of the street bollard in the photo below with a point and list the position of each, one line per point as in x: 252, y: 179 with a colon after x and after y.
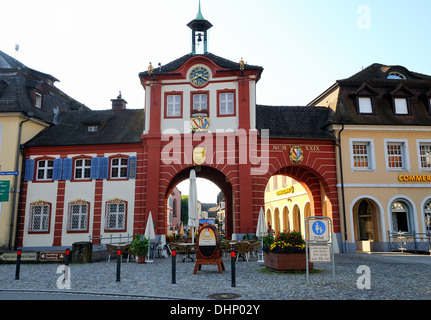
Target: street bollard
x: 67, y: 257
x: 118, y: 263
x: 18, y: 264
x: 174, y: 266
x: 232, y: 260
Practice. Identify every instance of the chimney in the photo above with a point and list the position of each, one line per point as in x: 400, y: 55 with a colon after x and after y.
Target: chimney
x: 119, y: 104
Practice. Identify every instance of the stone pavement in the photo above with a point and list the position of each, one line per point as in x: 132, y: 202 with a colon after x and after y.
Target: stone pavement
x: 393, y: 276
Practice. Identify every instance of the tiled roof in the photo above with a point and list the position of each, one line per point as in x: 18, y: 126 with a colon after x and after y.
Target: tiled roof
x: 221, y: 62
x: 114, y: 127
x: 294, y: 121
x: 15, y: 82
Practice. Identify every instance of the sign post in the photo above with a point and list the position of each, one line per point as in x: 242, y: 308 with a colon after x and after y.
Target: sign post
x: 318, y: 241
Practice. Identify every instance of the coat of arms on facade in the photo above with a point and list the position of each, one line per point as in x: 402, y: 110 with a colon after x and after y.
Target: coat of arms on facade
x: 296, y: 154
x: 199, y: 123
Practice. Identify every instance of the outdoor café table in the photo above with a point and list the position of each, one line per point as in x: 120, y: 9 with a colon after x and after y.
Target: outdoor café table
x: 187, y: 247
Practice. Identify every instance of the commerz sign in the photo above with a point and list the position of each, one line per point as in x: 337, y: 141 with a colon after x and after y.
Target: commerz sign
x: 414, y: 178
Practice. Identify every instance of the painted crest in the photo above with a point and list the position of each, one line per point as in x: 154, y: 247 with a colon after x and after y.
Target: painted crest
x: 199, y: 123
x: 199, y: 155
x: 296, y: 154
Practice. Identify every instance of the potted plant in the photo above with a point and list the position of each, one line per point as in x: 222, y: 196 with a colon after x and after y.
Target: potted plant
x: 285, y: 252
x: 139, y: 247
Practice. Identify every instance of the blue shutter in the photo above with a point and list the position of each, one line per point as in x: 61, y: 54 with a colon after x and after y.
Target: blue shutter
x: 131, y: 167
x: 95, y: 163
x: 67, y: 169
x: 29, y: 170
x: 104, y: 168
x: 58, y: 164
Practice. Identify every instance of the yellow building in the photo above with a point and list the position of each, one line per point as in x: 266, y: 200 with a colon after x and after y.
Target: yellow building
x: 382, y: 120
x: 286, y: 204
x: 29, y: 102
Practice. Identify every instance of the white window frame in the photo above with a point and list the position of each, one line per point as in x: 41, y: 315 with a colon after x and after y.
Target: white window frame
x: 226, y: 103
x: 81, y: 215
x: 120, y: 167
x: 370, y: 154
x: 404, y: 154
x: 365, y: 109
x: 397, y: 106
x: 420, y: 142
x: 116, y: 215
x: 44, y: 216
x: 38, y: 100
x: 173, y: 107
x: 46, y: 169
x: 82, y: 167
x: 199, y: 100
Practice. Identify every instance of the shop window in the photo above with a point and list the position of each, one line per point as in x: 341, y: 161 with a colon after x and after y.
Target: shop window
x: 427, y: 212
x: 400, y: 216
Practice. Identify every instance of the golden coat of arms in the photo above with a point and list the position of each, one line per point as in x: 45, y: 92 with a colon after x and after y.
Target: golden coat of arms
x: 199, y: 124
x: 296, y: 154
x: 199, y: 155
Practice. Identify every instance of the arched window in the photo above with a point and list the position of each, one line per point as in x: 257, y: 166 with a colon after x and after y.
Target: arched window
x: 365, y: 221
x: 400, y: 216
x: 427, y: 211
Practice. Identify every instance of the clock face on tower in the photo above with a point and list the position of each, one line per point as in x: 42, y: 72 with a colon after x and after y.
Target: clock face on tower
x: 199, y: 76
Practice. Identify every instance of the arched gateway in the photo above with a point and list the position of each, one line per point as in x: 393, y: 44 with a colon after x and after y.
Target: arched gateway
x: 201, y: 113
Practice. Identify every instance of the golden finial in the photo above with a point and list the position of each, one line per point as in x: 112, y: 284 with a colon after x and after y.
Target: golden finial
x: 241, y: 64
x: 150, y: 69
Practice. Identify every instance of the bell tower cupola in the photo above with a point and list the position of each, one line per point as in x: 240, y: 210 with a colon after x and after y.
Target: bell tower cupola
x: 200, y: 28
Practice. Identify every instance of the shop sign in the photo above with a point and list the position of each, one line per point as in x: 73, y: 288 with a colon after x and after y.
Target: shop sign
x: 25, y: 256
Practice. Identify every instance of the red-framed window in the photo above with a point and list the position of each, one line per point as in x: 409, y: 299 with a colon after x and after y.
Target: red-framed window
x: 200, y: 102
x: 173, y: 105
x: 116, y: 215
x: 40, y: 217
x: 78, y: 216
x: 226, y: 103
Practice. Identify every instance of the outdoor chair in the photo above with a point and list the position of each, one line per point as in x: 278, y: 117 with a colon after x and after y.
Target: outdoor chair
x: 163, y: 247
x: 253, y: 247
x: 242, y: 248
x: 112, y: 249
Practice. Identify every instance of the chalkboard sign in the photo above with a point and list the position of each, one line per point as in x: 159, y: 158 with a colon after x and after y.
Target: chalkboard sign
x: 208, y: 241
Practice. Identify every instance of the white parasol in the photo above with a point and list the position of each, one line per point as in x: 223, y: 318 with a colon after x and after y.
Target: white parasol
x: 261, y: 229
x: 149, y: 233
x: 193, y: 204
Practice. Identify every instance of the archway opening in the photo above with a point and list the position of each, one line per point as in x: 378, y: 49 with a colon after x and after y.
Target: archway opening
x: 366, y: 224
x: 215, y: 198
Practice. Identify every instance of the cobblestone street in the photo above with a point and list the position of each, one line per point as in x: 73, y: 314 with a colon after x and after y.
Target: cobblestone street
x: 393, y: 276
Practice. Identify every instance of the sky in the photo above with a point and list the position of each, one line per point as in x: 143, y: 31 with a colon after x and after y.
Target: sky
x: 97, y: 48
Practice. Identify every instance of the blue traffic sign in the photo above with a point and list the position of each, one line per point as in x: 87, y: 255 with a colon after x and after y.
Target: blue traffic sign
x: 318, y: 228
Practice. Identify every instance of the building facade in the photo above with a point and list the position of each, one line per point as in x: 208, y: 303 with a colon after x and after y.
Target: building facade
x: 29, y: 103
x: 98, y: 173
x: 382, y: 120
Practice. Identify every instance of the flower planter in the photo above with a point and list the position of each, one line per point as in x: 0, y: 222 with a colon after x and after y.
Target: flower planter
x: 140, y: 259
x: 282, y: 262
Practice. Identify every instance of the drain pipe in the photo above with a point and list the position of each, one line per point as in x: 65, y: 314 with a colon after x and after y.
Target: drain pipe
x: 342, y: 187
x: 15, y: 187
